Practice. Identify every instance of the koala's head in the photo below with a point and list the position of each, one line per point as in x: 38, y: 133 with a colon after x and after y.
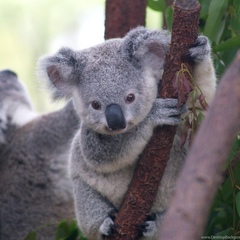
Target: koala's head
x: 113, y: 84
x: 15, y: 105
x: 10, y: 87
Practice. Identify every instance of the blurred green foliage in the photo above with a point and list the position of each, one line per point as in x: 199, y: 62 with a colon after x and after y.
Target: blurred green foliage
x: 66, y: 230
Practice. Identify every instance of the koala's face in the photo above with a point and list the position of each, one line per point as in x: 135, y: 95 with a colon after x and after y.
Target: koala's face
x: 113, y: 84
x: 112, y: 95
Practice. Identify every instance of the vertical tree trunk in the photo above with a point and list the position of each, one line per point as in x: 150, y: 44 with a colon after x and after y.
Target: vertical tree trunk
x: 153, y: 160
x: 121, y: 16
x: 202, y: 173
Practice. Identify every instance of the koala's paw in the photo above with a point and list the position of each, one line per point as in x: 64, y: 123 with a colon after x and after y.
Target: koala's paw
x: 148, y: 228
x: 199, y: 49
x: 107, y: 228
x: 165, y: 111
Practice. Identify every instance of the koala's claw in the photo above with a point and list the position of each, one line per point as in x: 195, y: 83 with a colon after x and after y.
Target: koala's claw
x: 148, y: 228
x: 107, y: 228
x: 112, y: 214
x: 201, y: 41
x: 199, y: 49
x: 178, y: 111
x: 166, y: 112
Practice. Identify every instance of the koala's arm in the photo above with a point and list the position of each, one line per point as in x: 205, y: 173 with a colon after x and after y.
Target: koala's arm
x: 165, y: 112
x: 203, y: 71
x: 91, y: 209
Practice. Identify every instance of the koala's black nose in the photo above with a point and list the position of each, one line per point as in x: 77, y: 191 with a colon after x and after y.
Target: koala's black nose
x: 115, y: 117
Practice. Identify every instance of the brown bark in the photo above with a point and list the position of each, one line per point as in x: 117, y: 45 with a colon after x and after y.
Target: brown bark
x: 148, y: 174
x: 121, y: 16
x: 197, y: 184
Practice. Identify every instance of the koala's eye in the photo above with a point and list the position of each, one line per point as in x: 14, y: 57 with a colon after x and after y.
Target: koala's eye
x: 130, y: 98
x: 96, y: 105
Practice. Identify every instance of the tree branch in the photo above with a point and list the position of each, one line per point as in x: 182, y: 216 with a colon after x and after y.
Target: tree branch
x: 143, y: 188
x: 197, y: 184
x: 121, y: 16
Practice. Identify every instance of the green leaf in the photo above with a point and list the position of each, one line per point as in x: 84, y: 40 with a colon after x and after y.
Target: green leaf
x: 204, y: 8
x: 234, y: 150
x: 230, y: 43
x: 69, y: 231
x: 169, y: 17
x: 220, y: 219
x: 31, y: 236
x: 82, y: 237
x: 200, y: 117
x: 62, y: 230
x: 224, y: 59
x: 238, y: 203
x: 74, y: 236
x: 227, y: 187
x: 157, y: 5
x: 72, y: 225
x: 235, y: 17
x: 215, y: 23
x: 227, y: 232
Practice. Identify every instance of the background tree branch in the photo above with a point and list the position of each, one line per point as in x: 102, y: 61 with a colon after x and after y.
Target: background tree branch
x: 203, y: 171
x: 121, y: 16
x: 148, y: 174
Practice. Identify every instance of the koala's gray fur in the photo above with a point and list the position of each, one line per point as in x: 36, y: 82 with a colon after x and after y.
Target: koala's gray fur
x: 35, y: 191
x: 12, y: 96
x: 114, y: 89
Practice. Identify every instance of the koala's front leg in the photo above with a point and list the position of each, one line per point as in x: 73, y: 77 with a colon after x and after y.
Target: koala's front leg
x: 92, y: 211
x: 165, y: 112
x: 203, y: 71
x: 149, y: 229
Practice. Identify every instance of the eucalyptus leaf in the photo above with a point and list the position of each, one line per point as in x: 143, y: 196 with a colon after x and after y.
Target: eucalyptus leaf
x: 227, y: 232
x: 69, y: 231
x: 215, y: 23
x: 157, y: 5
x: 31, y: 236
x: 63, y: 230
x: 204, y: 8
x: 235, y: 17
x: 235, y: 148
x: 238, y: 203
x: 230, y: 43
x: 169, y: 17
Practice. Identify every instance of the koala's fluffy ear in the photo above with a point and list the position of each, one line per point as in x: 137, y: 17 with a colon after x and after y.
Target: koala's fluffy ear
x: 61, y: 72
x: 146, y: 48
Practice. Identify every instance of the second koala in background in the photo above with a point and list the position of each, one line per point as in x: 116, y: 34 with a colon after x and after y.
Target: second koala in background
x: 114, y: 89
x: 35, y: 191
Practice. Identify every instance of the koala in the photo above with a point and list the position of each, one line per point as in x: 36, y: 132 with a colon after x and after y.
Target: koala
x: 12, y: 95
x: 35, y: 190
x: 114, y: 89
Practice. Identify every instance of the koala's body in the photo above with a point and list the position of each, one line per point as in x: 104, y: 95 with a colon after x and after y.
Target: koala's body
x: 35, y: 190
x: 114, y: 89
